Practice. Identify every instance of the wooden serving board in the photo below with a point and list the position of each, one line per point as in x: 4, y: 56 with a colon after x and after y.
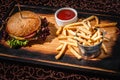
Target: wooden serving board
x: 52, y: 42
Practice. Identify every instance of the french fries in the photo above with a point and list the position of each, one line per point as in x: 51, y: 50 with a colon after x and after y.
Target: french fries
x: 69, y: 43
x: 61, y: 52
x: 75, y: 53
x: 104, y: 48
x: 106, y: 25
x: 71, y: 32
x: 73, y: 24
x: 59, y: 30
x: 82, y: 32
x: 91, y: 18
x: 59, y: 47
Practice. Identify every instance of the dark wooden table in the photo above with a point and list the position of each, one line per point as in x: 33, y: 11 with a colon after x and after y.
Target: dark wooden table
x: 11, y: 69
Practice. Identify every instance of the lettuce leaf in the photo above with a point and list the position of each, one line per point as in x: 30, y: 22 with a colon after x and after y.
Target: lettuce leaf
x: 14, y: 43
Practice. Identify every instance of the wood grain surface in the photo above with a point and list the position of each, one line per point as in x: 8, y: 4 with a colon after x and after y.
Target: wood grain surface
x: 51, y: 43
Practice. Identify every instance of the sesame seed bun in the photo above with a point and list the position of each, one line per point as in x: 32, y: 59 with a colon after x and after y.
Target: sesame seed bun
x: 23, y: 26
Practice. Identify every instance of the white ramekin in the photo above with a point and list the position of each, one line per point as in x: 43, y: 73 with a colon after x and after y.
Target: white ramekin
x: 65, y: 22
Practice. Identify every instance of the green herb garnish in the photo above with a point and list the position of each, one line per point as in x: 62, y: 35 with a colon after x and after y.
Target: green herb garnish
x: 14, y: 43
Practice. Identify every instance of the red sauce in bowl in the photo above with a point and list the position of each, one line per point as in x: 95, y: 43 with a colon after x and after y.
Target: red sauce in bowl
x: 65, y: 14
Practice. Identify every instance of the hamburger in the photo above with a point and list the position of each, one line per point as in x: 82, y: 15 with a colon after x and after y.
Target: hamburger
x: 25, y: 26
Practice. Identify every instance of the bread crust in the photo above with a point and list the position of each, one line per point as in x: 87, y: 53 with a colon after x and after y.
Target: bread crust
x: 22, y: 27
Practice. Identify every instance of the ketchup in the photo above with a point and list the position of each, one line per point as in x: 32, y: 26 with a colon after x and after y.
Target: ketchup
x: 65, y: 14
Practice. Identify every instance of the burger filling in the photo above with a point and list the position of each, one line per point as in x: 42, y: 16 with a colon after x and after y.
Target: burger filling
x: 41, y: 34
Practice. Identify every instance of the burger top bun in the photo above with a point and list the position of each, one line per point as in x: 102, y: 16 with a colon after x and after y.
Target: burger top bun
x: 20, y: 27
